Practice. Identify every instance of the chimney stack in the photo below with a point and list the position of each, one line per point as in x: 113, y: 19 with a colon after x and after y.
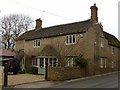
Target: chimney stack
x: 38, y: 24
x: 94, y: 16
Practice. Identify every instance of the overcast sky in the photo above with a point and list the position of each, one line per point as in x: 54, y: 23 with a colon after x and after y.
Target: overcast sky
x: 55, y: 12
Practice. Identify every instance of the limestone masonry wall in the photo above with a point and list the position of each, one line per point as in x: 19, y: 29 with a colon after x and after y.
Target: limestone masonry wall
x: 65, y: 73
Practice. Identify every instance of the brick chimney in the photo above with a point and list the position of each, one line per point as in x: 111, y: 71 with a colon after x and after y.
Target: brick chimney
x: 94, y: 16
x: 38, y: 24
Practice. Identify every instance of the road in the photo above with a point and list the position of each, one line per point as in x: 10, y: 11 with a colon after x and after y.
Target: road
x: 105, y: 81
x: 99, y: 81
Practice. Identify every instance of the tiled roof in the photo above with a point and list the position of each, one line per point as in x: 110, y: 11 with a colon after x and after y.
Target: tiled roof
x: 6, y: 52
x: 65, y: 29
x: 71, y: 28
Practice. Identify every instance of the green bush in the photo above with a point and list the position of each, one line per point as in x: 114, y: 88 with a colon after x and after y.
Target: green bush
x: 80, y: 61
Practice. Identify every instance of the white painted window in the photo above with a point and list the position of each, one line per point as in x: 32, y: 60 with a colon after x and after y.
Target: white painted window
x: 36, y: 43
x: 113, y: 50
x: 101, y: 44
x: 50, y: 62
x: 53, y: 62
x: 41, y: 62
x: 112, y: 64
x: 34, y: 62
x: 101, y: 63
x: 70, y: 39
x: 105, y: 62
x: 69, y: 62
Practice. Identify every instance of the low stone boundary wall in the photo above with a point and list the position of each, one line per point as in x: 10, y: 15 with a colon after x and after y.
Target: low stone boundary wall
x: 1, y: 75
x: 65, y: 73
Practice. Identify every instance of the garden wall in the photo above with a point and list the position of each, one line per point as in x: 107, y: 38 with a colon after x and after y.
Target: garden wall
x: 1, y: 75
x: 65, y: 73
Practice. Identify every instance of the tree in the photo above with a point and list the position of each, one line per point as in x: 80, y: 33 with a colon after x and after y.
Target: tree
x: 12, y: 26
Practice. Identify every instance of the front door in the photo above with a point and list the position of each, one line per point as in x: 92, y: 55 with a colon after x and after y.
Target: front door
x: 41, y: 69
x: 53, y: 62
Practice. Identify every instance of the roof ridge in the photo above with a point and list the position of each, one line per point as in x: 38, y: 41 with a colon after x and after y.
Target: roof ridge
x: 67, y: 23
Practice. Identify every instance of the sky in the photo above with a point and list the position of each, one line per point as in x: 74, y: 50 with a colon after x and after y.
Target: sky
x: 56, y: 12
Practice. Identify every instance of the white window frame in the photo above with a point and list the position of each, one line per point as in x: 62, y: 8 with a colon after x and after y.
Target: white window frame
x: 105, y: 62
x: 36, y: 43
x: 35, y: 61
x: 113, y: 50
x: 70, y: 39
x: 70, y: 62
x: 53, y: 61
x: 112, y: 64
x: 101, y: 62
x: 102, y: 44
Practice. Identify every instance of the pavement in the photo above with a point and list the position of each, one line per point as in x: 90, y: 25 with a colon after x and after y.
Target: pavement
x: 48, y: 84
x: 24, y: 78
x: 21, y: 79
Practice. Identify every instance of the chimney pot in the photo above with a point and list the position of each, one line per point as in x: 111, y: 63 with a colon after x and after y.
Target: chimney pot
x: 94, y: 14
x: 38, y: 24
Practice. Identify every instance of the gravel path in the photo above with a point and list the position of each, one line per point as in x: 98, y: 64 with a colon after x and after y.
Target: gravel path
x: 24, y: 78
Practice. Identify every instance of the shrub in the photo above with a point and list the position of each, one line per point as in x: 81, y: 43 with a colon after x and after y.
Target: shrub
x: 80, y: 61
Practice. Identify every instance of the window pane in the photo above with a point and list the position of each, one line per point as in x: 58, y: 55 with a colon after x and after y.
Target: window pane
x: 41, y: 62
x: 102, y: 44
x: 73, y: 38
x: 34, y: 42
x: 50, y: 62
x: 112, y: 50
x: 54, y: 62
x: 101, y: 63
x: 70, y: 38
x: 35, y: 61
x: 46, y: 61
x: 38, y: 42
x: 67, y: 39
x: 113, y: 64
x: 105, y: 63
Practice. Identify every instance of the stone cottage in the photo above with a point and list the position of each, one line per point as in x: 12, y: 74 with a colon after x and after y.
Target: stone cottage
x: 58, y: 45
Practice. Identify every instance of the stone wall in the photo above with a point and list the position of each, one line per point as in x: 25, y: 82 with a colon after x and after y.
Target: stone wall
x: 1, y: 76
x: 65, y: 73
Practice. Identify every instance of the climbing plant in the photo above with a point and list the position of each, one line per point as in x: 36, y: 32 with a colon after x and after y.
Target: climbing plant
x: 81, y: 61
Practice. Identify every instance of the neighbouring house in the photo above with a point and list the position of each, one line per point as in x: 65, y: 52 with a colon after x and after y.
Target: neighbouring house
x: 58, y: 45
x: 6, y: 54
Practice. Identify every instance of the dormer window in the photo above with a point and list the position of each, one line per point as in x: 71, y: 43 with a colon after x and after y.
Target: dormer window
x: 70, y: 39
x: 36, y: 43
